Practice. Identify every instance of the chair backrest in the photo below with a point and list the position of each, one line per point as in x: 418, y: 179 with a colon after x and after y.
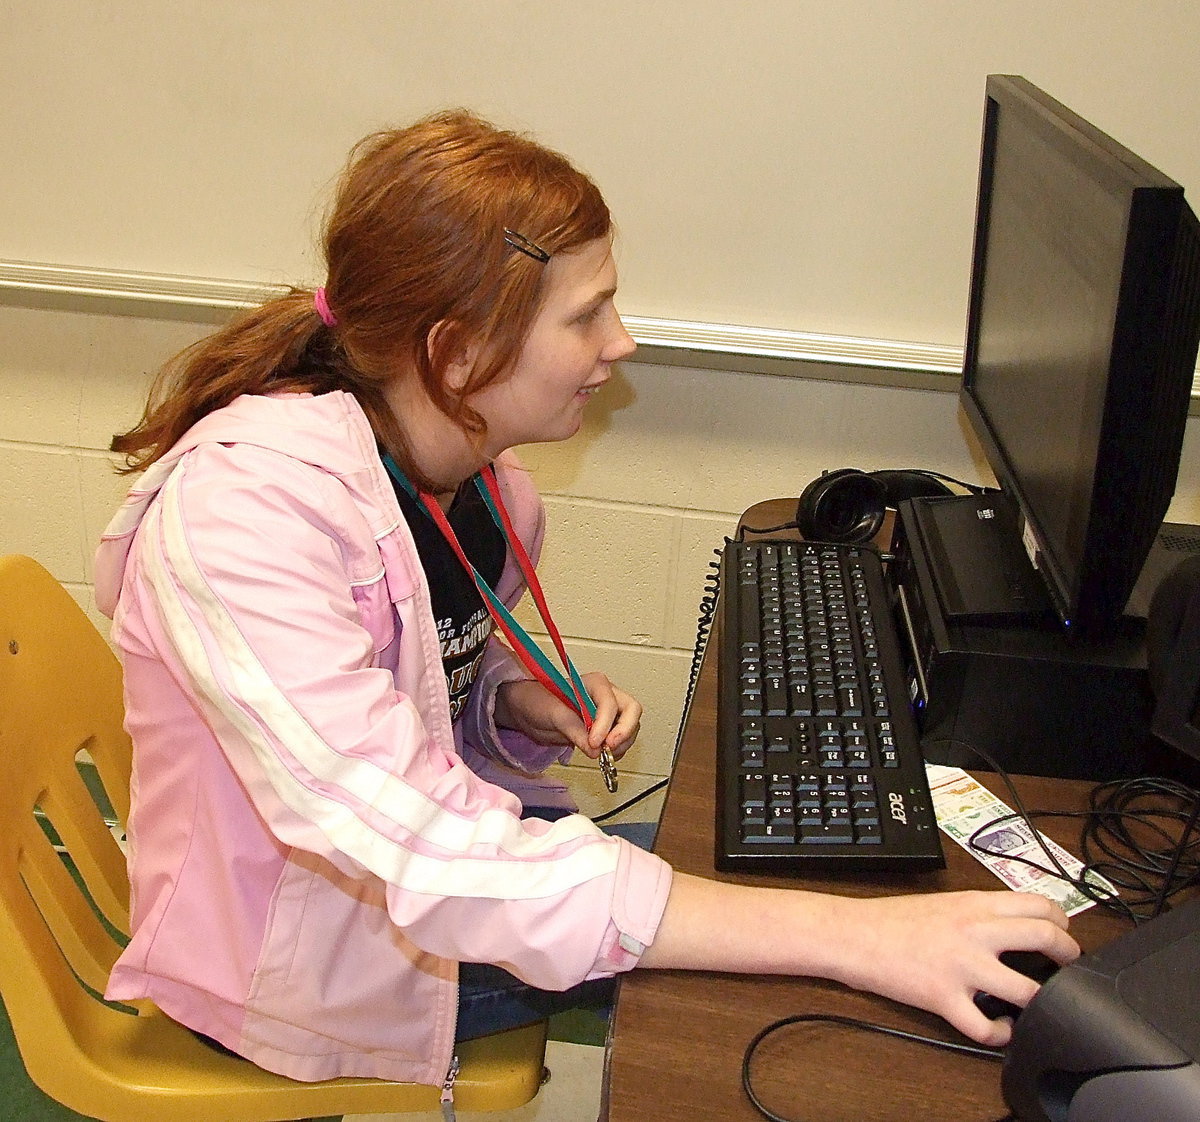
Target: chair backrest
x: 64, y: 907
x: 64, y: 777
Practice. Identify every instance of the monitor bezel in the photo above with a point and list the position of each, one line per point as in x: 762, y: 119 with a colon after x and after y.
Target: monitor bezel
x: 1090, y: 590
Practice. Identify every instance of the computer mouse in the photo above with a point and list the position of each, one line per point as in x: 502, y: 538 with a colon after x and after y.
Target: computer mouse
x: 1033, y: 964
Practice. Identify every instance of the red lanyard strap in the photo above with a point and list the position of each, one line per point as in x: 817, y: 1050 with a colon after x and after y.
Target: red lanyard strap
x: 570, y: 692
x: 519, y: 639
x: 485, y: 481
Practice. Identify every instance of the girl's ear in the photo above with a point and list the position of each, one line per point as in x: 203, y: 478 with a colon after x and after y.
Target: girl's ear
x: 445, y: 333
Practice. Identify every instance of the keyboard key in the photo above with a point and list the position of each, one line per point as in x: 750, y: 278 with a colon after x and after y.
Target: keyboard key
x: 753, y: 816
x: 828, y: 834
x: 754, y: 790
x: 850, y: 702
x: 864, y: 815
x: 776, y: 696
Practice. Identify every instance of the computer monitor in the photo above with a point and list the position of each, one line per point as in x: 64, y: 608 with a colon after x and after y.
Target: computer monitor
x: 1082, y: 333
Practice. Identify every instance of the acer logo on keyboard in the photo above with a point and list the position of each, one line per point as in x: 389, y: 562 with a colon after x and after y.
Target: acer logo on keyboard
x: 897, y: 805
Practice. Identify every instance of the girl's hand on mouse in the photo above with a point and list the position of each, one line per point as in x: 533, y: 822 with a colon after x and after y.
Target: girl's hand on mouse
x: 937, y: 951
x: 528, y: 707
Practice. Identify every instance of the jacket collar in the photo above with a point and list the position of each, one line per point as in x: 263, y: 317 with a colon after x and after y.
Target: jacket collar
x: 329, y: 432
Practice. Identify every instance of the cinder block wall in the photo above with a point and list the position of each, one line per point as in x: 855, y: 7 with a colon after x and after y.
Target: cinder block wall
x: 638, y: 502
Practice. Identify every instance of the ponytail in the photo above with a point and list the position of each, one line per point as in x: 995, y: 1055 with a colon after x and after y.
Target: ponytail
x: 279, y: 347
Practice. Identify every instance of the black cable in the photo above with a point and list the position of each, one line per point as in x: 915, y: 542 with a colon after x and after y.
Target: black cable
x: 744, y: 530
x: 1176, y: 860
x: 970, y: 488
x: 705, y: 613
x: 1160, y: 873
x: 704, y: 618
x: 658, y: 785
x: 1149, y: 877
x: 1094, y: 892
x: 972, y: 1050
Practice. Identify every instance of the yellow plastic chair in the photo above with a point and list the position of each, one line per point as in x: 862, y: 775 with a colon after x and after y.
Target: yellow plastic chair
x: 64, y: 903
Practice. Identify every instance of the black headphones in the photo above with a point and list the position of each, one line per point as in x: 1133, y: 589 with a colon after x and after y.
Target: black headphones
x: 849, y: 505
x: 1173, y: 623
x: 1173, y: 656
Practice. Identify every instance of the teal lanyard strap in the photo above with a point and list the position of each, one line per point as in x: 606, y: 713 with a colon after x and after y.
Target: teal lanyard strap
x: 523, y: 644
x: 487, y: 486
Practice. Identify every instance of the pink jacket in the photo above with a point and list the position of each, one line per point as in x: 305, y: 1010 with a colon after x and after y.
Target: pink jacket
x: 309, y: 853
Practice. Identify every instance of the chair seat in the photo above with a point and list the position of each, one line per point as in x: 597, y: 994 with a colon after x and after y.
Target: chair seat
x: 149, y: 1067
x: 64, y: 909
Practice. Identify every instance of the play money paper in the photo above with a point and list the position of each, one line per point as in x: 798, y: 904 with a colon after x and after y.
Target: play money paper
x: 963, y: 806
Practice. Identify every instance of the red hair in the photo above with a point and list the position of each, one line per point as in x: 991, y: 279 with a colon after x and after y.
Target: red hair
x: 415, y: 238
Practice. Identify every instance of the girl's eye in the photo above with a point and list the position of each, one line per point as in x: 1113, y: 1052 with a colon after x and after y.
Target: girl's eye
x: 589, y: 315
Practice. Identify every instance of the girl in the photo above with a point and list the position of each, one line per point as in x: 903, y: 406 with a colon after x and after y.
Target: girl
x: 338, y: 800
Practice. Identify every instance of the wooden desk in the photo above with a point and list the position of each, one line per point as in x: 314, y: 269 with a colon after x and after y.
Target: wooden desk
x: 677, y: 1037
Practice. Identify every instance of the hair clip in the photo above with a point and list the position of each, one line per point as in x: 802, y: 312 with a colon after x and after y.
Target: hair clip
x: 522, y: 243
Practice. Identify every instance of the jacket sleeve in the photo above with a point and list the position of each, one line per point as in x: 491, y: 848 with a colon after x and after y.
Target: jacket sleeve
x: 244, y: 560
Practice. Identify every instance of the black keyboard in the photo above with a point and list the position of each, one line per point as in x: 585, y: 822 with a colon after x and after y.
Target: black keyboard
x: 819, y: 763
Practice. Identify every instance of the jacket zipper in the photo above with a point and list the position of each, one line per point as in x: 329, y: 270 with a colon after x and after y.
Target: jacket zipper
x: 447, y: 1096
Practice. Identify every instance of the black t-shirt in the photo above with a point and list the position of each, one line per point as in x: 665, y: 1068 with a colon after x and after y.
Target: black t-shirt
x: 463, y: 621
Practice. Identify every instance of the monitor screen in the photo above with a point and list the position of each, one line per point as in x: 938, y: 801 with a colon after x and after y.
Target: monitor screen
x: 1082, y: 333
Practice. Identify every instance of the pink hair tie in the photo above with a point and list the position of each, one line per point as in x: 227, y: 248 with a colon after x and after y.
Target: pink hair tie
x: 322, y: 306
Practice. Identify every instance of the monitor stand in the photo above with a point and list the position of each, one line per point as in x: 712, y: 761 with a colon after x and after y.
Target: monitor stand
x: 984, y: 576
x: 990, y: 668
x: 980, y: 569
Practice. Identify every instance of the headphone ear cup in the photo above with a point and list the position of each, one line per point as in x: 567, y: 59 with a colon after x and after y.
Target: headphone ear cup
x: 1176, y: 598
x: 846, y: 505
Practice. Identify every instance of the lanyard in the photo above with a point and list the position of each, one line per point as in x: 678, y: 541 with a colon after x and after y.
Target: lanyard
x: 568, y: 689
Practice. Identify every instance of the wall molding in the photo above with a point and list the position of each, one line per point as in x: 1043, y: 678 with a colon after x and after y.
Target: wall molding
x: 137, y: 288
x: 760, y: 350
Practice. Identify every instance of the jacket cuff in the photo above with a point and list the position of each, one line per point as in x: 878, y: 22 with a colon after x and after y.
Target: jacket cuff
x: 640, y: 890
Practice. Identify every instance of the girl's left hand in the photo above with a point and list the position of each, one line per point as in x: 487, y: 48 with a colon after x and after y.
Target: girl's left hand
x: 528, y: 707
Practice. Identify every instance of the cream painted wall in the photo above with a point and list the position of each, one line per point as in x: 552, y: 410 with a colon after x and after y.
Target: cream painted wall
x: 637, y: 502
x: 802, y: 164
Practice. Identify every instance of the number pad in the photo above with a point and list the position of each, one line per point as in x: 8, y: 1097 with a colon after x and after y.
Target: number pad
x: 813, y: 808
